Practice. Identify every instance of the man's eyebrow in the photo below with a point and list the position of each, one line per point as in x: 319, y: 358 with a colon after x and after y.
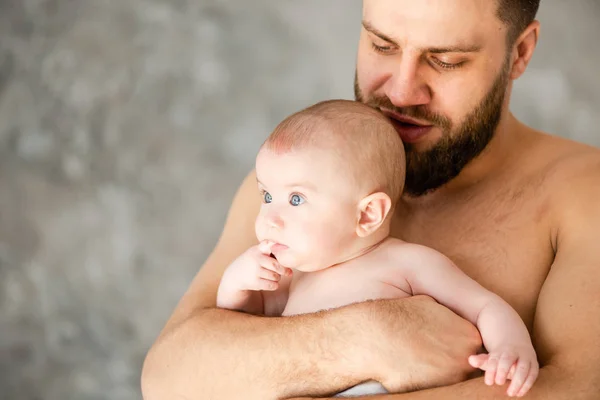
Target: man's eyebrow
x: 377, y: 33
x: 455, y: 49
x: 436, y: 50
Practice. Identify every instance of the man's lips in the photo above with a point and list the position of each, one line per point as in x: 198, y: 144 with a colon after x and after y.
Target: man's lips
x: 410, y: 130
x: 404, y: 119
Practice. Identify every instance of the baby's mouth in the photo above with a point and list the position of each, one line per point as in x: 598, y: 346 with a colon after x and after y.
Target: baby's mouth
x: 278, y: 247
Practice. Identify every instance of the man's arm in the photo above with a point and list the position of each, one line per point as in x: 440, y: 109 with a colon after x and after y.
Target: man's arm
x: 209, y: 353
x: 431, y: 273
x: 567, y: 323
x: 504, y: 333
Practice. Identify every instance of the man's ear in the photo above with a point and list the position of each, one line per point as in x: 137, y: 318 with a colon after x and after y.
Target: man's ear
x: 373, y: 210
x: 525, y: 46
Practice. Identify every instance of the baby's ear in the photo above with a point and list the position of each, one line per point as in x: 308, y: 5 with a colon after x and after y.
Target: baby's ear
x: 373, y: 210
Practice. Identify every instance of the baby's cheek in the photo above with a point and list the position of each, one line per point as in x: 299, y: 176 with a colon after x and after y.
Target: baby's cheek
x: 305, y: 247
x: 326, y: 244
x: 258, y: 229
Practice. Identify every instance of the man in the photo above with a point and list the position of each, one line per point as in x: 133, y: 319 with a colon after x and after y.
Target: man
x: 514, y: 208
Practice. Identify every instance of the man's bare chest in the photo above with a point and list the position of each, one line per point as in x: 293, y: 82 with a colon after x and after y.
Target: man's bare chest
x: 502, y: 242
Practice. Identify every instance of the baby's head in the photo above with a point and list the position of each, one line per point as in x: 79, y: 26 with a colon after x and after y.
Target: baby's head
x: 330, y: 176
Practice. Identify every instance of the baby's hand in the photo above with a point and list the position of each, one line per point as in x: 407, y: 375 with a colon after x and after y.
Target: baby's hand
x: 518, y: 364
x: 255, y: 270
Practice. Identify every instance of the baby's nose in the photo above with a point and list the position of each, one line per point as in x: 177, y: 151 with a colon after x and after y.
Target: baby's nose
x: 274, y: 220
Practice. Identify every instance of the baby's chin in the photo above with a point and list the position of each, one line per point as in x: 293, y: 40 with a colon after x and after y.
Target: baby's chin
x: 296, y: 260
x: 309, y: 266
x: 289, y: 261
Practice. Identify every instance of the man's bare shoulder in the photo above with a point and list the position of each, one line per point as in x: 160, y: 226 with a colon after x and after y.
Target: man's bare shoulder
x: 237, y: 236
x: 550, y: 165
x: 571, y: 178
x: 565, y: 158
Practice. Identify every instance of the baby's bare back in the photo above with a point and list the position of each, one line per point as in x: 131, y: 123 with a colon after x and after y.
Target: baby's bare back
x: 368, y: 277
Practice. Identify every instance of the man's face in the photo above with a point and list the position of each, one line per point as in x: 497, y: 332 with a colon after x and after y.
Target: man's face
x: 439, y: 69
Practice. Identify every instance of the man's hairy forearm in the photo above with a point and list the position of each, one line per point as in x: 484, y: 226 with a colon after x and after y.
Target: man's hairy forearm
x: 222, y: 354
x: 552, y: 384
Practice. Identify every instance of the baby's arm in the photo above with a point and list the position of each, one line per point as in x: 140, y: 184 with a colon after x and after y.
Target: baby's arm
x: 257, y: 302
x: 503, y: 332
x: 232, y: 298
x: 246, y: 283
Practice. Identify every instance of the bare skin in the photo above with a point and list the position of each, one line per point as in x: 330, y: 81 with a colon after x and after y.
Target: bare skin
x: 349, y: 283
x: 270, y: 358
x: 522, y: 220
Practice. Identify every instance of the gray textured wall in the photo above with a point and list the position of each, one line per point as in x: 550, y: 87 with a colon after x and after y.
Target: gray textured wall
x: 125, y: 127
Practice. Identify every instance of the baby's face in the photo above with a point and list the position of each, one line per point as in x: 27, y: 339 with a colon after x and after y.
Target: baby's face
x: 310, y: 207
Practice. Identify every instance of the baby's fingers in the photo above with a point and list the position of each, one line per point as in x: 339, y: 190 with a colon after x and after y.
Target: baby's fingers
x: 478, y: 360
x: 504, y: 364
x: 273, y: 265
x: 265, y: 247
x: 511, y: 372
x: 490, y: 369
x: 269, y: 275
x: 487, y: 363
x: 533, y: 374
x: 267, y: 285
x: 521, y: 374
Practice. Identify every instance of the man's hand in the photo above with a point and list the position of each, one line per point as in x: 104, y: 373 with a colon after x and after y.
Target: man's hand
x: 416, y: 343
x: 407, y: 343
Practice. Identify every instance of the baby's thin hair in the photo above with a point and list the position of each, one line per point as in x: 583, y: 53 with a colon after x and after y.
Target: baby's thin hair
x: 361, y: 136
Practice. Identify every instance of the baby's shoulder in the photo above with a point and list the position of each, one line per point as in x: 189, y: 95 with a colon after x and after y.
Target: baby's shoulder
x: 398, y: 253
x: 399, y: 248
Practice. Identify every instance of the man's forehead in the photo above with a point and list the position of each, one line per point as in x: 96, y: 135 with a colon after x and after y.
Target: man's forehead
x: 433, y: 23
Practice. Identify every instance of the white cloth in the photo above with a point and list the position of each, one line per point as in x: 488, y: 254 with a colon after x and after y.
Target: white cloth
x: 363, y: 389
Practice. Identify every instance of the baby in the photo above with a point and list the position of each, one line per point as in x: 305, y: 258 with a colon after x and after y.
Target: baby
x: 329, y: 177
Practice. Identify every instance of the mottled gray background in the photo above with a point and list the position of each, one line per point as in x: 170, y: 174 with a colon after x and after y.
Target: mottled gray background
x: 126, y: 126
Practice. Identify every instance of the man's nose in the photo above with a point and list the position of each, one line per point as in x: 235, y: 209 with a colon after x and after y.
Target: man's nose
x: 406, y: 87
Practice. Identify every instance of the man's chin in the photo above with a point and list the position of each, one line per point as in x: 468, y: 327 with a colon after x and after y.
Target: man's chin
x: 426, y: 143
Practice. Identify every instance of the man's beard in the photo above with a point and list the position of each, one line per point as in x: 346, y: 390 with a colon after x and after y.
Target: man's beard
x: 430, y: 169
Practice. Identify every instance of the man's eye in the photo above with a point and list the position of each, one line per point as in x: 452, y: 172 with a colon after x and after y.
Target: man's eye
x: 381, y: 49
x: 446, y: 65
x: 296, y: 200
x: 267, y: 197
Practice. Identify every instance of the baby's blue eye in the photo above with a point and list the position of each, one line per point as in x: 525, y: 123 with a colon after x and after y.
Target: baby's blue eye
x: 267, y: 197
x: 296, y: 200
